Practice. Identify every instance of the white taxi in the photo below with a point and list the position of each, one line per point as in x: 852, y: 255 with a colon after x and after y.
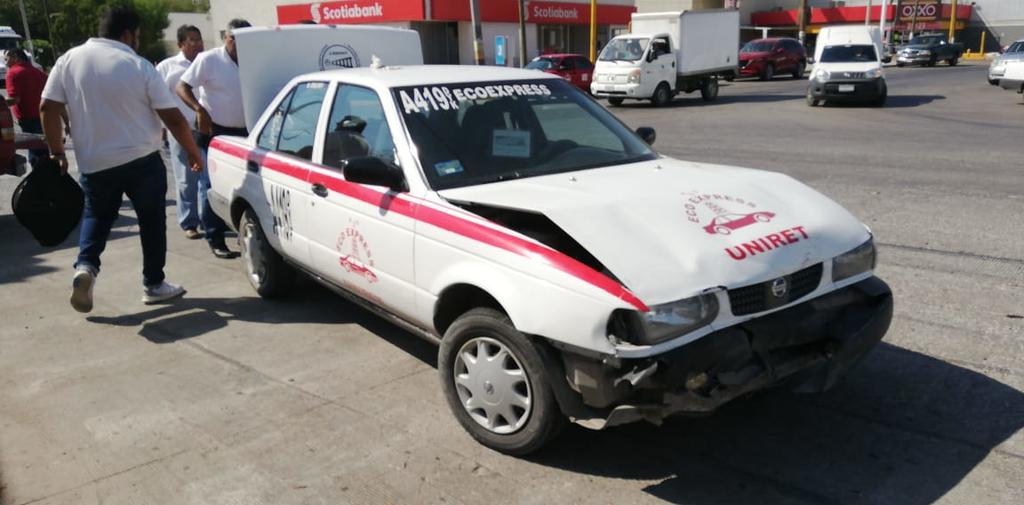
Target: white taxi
x: 566, y: 270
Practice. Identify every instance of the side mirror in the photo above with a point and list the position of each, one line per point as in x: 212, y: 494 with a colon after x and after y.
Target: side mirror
x: 374, y: 172
x: 648, y: 134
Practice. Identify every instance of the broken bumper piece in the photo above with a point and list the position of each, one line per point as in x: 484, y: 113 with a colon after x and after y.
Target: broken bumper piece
x: 806, y: 348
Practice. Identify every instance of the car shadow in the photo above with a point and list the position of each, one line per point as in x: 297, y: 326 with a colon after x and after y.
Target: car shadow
x: 903, y: 428
x: 893, y: 101
x: 189, y: 317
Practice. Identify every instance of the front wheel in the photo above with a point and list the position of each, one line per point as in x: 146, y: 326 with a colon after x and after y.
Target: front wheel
x: 900, y: 64
x: 496, y: 384
x: 768, y: 72
x: 267, y: 272
x: 953, y: 61
x: 662, y: 95
x: 614, y: 101
x: 994, y: 82
x: 709, y: 89
x: 798, y: 72
x: 811, y: 101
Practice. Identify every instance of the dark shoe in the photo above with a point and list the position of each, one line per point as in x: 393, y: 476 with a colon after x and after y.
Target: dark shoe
x: 192, y: 234
x: 222, y: 252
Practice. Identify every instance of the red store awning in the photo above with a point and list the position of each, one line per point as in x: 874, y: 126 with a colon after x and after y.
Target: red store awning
x: 505, y: 11
x: 847, y: 15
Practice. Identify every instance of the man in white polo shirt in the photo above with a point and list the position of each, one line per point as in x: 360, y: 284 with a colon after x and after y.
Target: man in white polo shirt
x: 115, y: 101
x: 190, y: 200
x: 218, y: 111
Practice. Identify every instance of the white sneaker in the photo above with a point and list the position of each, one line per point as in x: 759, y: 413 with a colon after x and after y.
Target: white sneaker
x: 81, y: 289
x: 161, y: 292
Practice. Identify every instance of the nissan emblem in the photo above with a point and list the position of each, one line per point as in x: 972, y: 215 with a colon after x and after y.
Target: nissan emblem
x: 780, y: 287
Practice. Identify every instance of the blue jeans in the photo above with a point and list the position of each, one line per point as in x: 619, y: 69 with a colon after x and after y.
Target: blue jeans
x: 213, y: 226
x: 145, y: 182
x: 190, y: 199
x: 33, y: 125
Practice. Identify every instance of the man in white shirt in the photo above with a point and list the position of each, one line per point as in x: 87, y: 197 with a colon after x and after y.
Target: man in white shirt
x: 115, y: 101
x: 190, y: 200
x: 218, y: 109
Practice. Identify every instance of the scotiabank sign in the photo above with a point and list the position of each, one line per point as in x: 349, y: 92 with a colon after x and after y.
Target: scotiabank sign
x: 576, y: 13
x: 350, y: 12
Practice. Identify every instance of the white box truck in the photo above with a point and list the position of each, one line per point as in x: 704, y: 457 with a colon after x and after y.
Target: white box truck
x: 667, y: 53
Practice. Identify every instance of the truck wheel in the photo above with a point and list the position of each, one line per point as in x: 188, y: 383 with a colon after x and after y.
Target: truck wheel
x: 953, y: 61
x: 811, y: 101
x: 798, y: 72
x: 614, y: 101
x: 662, y: 95
x: 933, y: 61
x: 267, y: 272
x: 880, y: 101
x: 496, y: 383
x: 994, y: 82
x: 709, y: 89
x: 768, y: 72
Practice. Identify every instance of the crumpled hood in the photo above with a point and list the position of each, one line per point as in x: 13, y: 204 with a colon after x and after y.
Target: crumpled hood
x: 669, y: 229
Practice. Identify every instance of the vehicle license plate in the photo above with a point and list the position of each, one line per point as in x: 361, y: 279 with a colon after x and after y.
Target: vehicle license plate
x: 846, y: 88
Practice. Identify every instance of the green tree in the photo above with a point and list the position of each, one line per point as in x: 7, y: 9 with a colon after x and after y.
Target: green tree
x: 75, y: 21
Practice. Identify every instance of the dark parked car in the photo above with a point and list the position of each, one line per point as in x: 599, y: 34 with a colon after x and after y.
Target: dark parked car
x: 572, y: 67
x: 764, y: 58
x: 928, y: 50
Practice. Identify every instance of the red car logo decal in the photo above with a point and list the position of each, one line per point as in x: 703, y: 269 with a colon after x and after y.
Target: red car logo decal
x: 352, y: 266
x: 726, y: 223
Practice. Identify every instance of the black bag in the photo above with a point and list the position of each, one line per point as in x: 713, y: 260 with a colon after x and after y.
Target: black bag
x: 48, y: 204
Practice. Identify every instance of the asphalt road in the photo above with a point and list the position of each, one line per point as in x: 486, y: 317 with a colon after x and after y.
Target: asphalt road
x: 224, y: 398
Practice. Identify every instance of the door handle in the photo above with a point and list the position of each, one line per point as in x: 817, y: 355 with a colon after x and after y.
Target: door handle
x: 252, y: 166
x: 320, y: 190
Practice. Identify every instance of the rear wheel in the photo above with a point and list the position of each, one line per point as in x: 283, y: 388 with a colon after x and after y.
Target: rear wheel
x: 496, y: 384
x: 768, y: 72
x: 709, y: 89
x: 614, y: 101
x: 662, y: 95
x: 798, y: 72
x: 267, y: 272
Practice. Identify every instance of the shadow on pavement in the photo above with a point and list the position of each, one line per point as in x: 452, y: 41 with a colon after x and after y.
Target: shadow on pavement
x: 188, y: 317
x: 903, y: 428
x: 894, y: 101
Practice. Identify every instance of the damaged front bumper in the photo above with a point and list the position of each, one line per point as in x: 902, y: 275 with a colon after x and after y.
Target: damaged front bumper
x: 806, y: 348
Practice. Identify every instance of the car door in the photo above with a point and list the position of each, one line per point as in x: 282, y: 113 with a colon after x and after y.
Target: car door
x: 287, y: 137
x: 663, y: 62
x: 584, y: 72
x: 358, y: 241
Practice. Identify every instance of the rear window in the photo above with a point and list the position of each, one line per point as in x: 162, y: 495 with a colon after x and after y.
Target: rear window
x: 541, y: 64
x: 849, y: 54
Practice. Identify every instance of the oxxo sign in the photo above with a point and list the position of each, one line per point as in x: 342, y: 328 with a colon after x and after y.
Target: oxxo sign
x: 926, y: 11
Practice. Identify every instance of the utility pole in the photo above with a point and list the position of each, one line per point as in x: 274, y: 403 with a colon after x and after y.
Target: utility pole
x: 478, y: 43
x: 913, y: 20
x: 522, y: 33
x: 867, y: 14
x: 593, y: 31
x: 952, y: 22
x: 881, y: 19
x: 28, y: 34
x: 802, y: 23
x: 896, y: 20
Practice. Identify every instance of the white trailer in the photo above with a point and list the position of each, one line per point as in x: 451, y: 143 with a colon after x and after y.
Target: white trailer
x: 667, y: 53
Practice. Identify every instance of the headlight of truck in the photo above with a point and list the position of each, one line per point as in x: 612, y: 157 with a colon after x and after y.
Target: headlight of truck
x: 874, y: 73
x: 666, y: 321
x: 855, y: 261
x: 822, y: 75
x: 634, y: 76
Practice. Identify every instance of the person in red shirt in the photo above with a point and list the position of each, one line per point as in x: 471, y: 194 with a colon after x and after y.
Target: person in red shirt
x: 24, y: 89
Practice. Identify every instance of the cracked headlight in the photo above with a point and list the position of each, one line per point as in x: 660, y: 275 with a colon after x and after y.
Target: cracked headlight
x: 666, y: 321
x: 855, y: 261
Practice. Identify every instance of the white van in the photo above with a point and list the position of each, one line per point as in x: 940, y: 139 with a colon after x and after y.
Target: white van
x: 848, y: 66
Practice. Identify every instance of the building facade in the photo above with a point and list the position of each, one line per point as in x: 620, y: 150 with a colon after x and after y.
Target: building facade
x: 444, y: 26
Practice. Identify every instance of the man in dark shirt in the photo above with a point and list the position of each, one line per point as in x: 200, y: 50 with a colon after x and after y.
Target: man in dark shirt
x: 24, y: 88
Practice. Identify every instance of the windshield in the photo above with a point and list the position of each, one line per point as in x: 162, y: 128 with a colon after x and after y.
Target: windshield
x: 475, y: 133
x: 8, y: 43
x: 848, y: 54
x: 628, y: 49
x: 1016, y: 47
x: 757, y: 47
x: 541, y: 64
x: 925, y: 41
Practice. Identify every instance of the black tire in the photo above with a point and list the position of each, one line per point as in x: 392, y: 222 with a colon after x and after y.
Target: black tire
x: 729, y: 77
x: 709, y: 89
x: 798, y: 72
x: 267, y: 272
x: 880, y: 101
x: 614, y: 101
x: 544, y: 419
x: 953, y: 61
x: 768, y: 72
x: 932, y: 62
x: 662, y: 95
x: 811, y: 101
x: 994, y: 82
x: 900, y: 64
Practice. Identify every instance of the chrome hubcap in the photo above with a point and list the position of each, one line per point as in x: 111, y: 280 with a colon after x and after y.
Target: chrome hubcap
x: 492, y: 385
x: 252, y: 252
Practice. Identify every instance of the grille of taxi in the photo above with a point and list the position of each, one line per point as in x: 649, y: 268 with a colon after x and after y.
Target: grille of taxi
x: 759, y: 297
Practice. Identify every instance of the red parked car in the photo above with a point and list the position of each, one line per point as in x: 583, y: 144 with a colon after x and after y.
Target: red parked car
x: 764, y: 58
x: 572, y: 67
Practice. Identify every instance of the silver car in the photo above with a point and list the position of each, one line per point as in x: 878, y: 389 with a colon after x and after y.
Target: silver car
x: 998, y: 66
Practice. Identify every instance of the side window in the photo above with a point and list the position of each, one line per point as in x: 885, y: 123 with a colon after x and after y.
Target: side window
x: 299, y: 126
x: 272, y: 130
x: 357, y: 127
x: 583, y: 64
